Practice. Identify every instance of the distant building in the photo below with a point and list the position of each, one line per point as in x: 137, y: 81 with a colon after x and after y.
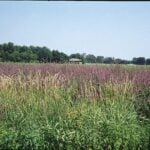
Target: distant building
x: 75, y: 61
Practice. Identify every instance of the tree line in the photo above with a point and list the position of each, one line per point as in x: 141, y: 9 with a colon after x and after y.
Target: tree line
x: 15, y: 53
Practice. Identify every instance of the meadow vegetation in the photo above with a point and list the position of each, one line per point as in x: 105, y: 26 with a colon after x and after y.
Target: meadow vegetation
x: 50, y: 106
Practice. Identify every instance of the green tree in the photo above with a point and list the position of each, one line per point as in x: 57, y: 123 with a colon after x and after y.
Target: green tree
x: 1, y: 53
x: 44, y: 54
x: 100, y: 59
x: 63, y: 57
x: 108, y: 60
x: 138, y: 60
x: 10, y: 47
x: 55, y: 56
x: 90, y: 58
x: 15, y: 56
x: 148, y: 61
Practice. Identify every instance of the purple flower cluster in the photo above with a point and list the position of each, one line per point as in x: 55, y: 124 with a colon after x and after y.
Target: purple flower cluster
x: 97, y: 74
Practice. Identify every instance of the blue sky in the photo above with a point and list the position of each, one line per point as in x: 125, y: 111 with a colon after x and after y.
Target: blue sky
x: 116, y: 29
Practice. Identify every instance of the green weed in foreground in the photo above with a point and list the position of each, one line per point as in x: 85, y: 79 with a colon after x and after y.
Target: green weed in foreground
x: 54, y: 119
x: 40, y: 121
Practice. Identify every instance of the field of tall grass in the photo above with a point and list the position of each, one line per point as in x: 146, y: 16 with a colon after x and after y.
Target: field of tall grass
x: 57, y: 107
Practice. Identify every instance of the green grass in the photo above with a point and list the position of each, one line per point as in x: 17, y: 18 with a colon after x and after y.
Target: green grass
x: 55, y: 118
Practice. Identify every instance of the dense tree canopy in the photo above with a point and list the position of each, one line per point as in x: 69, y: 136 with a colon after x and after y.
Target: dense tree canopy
x: 12, y: 53
x: 15, y: 53
x: 148, y: 61
x: 108, y: 60
x: 91, y: 58
x: 139, y: 60
x: 100, y: 59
